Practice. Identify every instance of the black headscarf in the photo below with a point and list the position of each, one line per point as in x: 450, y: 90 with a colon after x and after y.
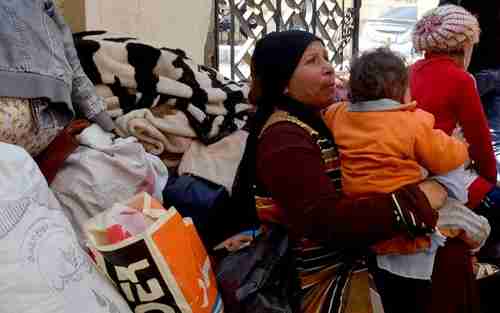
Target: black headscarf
x: 275, y: 58
x: 274, y: 61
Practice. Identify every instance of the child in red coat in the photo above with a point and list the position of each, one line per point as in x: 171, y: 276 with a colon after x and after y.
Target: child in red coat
x: 442, y: 86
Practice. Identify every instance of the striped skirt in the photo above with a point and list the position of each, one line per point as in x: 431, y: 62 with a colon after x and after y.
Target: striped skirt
x: 332, y: 281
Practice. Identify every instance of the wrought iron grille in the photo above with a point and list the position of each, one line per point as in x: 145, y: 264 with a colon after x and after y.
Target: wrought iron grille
x: 240, y: 23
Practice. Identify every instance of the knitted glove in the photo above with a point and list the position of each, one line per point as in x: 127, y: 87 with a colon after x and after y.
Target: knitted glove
x: 456, y: 220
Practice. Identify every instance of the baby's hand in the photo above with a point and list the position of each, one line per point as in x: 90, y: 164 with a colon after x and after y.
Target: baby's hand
x: 342, y: 90
x: 435, y: 193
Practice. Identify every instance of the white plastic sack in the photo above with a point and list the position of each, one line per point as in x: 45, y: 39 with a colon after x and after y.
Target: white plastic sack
x: 217, y: 162
x: 43, y: 269
x: 100, y: 174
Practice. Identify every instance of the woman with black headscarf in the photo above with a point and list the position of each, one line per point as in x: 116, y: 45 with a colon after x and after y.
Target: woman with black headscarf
x: 290, y: 173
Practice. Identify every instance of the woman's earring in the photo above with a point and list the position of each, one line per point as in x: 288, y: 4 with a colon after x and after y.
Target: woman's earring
x: 285, y: 92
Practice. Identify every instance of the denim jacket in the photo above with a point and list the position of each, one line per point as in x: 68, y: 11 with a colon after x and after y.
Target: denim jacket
x: 38, y: 60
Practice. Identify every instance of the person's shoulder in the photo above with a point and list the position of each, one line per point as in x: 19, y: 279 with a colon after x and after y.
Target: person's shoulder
x: 335, y: 107
x: 286, y: 135
x: 417, y: 65
x: 421, y: 117
x: 463, y: 82
x: 425, y: 64
x: 442, y: 64
x: 466, y: 79
x: 282, y: 129
x: 456, y: 75
x: 413, y: 120
x: 333, y: 110
x: 459, y: 73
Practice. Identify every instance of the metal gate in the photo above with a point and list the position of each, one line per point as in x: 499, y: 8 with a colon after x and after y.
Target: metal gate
x: 240, y: 23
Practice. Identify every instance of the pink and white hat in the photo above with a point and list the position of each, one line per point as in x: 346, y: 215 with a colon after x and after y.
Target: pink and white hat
x: 446, y: 28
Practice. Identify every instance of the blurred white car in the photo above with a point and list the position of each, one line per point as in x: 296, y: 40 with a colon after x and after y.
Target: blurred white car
x: 392, y: 29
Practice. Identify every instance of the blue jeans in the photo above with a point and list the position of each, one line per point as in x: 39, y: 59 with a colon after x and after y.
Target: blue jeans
x: 488, y: 84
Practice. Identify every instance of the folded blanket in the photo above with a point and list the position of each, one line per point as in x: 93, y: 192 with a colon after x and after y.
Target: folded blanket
x: 217, y: 162
x: 168, y: 133
x: 145, y: 75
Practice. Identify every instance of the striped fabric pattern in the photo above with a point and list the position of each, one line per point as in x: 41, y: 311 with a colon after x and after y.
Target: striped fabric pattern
x: 329, y: 152
x: 332, y: 281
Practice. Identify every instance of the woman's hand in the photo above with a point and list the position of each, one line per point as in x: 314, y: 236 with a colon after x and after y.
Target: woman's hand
x: 435, y: 193
x: 416, y: 213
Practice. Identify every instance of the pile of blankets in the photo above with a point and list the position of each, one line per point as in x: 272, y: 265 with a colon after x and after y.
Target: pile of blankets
x: 160, y: 95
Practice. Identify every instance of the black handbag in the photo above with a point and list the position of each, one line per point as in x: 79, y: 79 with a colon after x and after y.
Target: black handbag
x: 262, y: 277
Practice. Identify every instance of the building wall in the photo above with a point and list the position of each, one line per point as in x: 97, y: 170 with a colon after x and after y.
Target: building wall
x: 74, y: 13
x: 173, y: 23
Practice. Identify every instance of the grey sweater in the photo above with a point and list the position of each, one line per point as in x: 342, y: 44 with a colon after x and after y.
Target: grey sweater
x: 38, y: 60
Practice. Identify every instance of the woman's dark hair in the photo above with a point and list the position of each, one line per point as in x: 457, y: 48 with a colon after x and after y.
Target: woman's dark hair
x: 273, y: 62
x: 378, y: 74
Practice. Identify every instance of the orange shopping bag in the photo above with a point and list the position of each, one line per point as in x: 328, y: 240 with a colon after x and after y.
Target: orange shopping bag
x: 163, y: 269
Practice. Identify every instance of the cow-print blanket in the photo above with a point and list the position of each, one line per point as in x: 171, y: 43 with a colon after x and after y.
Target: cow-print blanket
x: 145, y: 75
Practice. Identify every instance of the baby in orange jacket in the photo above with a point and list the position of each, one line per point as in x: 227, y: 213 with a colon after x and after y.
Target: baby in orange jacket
x: 385, y: 142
